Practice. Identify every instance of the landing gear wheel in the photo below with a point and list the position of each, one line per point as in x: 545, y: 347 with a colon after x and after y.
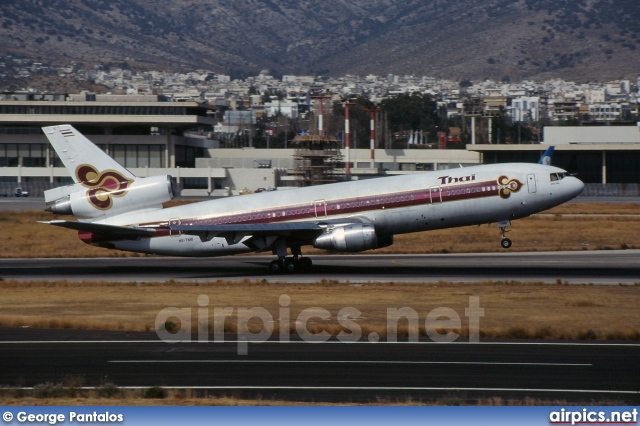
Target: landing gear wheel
x: 276, y: 266
x: 290, y: 265
x: 304, y: 264
x: 505, y: 243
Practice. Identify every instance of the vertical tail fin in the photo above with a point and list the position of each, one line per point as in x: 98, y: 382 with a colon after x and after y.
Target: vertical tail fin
x: 75, y: 150
x: 546, y: 157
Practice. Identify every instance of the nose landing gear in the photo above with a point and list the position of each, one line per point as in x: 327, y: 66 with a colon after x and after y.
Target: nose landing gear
x: 506, y: 242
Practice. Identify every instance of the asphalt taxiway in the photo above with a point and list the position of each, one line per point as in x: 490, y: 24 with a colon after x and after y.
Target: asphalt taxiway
x: 584, y: 267
x: 332, y: 371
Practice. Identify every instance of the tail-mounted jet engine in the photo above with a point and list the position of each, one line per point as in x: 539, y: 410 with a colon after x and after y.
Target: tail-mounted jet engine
x: 114, y: 197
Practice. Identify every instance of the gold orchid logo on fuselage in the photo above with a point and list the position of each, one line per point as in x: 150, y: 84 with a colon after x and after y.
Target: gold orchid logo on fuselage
x: 103, y: 186
x: 507, y: 186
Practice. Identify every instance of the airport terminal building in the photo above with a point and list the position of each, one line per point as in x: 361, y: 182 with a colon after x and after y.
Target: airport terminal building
x: 150, y: 135
x: 604, y: 157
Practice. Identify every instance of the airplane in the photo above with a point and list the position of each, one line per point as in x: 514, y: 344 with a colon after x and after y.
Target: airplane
x: 546, y: 157
x: 117, y: 210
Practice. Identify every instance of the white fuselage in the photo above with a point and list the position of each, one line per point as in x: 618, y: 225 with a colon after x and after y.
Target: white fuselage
x: 394, y: 205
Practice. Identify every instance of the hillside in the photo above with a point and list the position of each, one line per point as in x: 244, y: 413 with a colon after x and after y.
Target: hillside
x: 466, y: 39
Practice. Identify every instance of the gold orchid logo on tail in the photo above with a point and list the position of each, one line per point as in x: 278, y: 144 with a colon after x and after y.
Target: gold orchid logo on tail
x: 102, y: 185
x: 507, y: 186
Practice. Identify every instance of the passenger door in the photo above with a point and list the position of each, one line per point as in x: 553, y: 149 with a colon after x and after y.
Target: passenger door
x: 531, y: 183
x: 321, y: 208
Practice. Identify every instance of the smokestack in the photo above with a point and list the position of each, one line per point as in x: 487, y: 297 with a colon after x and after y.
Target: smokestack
x: 473, y: 130
x: 321, y: 100
x: 346, y: 138
x: 372, y: 144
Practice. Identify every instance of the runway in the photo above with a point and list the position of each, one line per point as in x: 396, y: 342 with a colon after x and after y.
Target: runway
x: 596, y: 267
x: 331, y: 371
x: 459, y: 372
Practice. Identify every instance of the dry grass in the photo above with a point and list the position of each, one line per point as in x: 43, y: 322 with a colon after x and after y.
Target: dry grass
x: 512, y: 310
x: 190, y: 397
x: 552, y: 231
x: 175, y: 398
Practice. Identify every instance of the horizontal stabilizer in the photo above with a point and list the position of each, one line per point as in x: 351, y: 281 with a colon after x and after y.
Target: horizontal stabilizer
x: 106, y: 230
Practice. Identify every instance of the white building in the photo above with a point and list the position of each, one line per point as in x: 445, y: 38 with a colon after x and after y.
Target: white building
x: 607, y: 111
x: 526, y: 108
x: 596, y: 96
x: 289, y: 109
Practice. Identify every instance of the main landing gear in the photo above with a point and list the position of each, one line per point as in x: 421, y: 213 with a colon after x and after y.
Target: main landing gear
x: 506, y: 242
x: 290, y: 265
x: 295, y: 263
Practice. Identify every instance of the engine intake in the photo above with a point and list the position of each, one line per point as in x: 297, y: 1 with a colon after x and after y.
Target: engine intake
x: 352, y: 238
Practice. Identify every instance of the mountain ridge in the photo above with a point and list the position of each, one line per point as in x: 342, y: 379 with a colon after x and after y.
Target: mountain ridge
x: 469, y: 39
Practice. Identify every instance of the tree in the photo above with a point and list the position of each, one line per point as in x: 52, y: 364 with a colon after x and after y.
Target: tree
x: 414, y: 112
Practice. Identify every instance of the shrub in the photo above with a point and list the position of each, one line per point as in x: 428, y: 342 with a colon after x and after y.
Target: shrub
x: 154, y: 392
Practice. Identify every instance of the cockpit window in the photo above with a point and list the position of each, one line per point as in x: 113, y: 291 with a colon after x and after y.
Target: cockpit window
x: 557, y: 176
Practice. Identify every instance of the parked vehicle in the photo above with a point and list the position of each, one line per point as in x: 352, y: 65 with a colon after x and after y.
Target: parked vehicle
x: 19, y: 192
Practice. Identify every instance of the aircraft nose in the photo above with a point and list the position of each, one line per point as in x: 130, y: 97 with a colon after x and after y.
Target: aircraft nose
x: 576, y: 186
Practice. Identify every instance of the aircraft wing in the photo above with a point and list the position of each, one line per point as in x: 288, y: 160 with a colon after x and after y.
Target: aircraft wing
x: 115, y: 231
x: 262, y: 235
